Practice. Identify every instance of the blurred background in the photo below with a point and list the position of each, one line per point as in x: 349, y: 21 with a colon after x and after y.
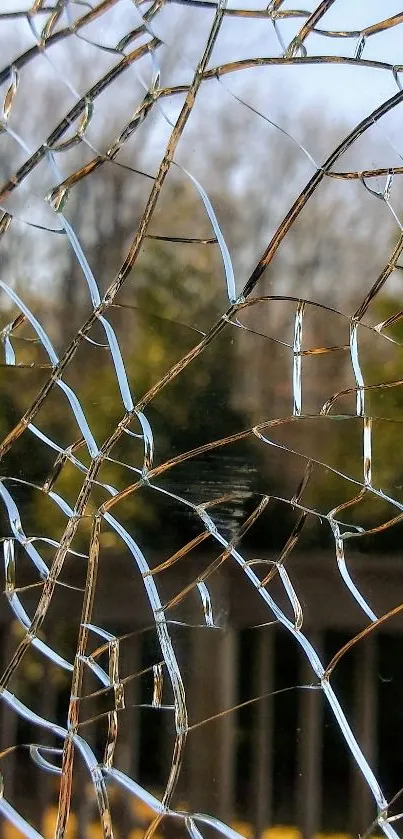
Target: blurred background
x: 262, y: 460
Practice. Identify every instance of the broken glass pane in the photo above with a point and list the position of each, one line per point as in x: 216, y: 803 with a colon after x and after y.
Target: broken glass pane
x: 201, y: 390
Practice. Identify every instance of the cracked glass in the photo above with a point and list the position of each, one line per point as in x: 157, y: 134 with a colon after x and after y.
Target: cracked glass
x: 201, y: 381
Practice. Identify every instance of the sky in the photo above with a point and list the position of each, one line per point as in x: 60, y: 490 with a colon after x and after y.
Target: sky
x: 288, y: 95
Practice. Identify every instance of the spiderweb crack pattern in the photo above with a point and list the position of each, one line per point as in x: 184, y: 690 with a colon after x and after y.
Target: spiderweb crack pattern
x: 27, y: 344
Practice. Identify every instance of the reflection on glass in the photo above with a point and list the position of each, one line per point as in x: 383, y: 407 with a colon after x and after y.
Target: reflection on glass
x: 201, y: 393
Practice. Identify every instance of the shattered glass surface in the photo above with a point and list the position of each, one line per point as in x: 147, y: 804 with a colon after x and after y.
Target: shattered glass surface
x: 201, y: 407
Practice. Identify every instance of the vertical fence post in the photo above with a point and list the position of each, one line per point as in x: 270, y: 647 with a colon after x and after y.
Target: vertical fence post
x: 263, y: 733
x: 309, y: 783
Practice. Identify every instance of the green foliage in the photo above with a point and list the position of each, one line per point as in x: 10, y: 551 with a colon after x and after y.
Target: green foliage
x: 159, y: 327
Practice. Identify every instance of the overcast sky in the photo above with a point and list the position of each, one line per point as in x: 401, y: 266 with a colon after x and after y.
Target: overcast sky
x: 338, y: 93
